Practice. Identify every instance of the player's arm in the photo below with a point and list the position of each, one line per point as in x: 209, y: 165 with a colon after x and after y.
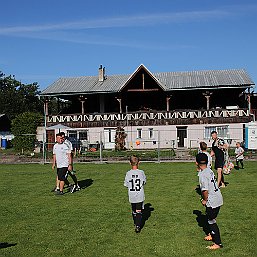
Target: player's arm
x: 205, y: 197
x: 54, y: 161
x: 126, y: 183
x: 70, y: 161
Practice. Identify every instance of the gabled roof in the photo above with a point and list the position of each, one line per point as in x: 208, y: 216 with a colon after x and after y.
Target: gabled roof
x: 140, y: 67
x: 168, y: 81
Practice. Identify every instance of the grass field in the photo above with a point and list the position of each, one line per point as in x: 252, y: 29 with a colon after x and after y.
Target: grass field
x: 96, y: 221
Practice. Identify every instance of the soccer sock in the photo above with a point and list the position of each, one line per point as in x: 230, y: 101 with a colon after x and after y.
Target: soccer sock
x: 134, y: 217
x: 74, y: 178
x: 242, y: 164
x: 215, y: 233
x: 139, y: 219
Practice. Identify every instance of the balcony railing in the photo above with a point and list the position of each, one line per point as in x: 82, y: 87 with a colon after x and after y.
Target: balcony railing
x: 176, y: 117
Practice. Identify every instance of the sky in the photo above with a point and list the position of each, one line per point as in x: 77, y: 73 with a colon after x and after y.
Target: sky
x: 43, y: 40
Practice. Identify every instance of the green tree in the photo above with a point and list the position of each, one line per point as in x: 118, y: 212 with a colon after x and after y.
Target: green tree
x: 24, y: 128
x: 16, y: 98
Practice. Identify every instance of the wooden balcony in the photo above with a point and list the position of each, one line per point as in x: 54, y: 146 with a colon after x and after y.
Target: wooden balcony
x: 152, y: 118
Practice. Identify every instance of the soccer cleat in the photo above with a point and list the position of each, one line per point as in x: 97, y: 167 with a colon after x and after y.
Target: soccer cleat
x: 137, y: 229
x: 78, y: 188
x: 59, y: 192
x: 73, y: 189
x: 55, y: 189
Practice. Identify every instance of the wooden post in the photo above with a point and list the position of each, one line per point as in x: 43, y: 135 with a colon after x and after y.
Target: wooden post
x: 168, y: 103
x: 120, y: 106
x: 82, y: 100
x: 207, y: 95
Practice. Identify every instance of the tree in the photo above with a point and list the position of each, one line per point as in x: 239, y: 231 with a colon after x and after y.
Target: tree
x: 120, y: 137
x: 16, y: 98
x: 24, y: 128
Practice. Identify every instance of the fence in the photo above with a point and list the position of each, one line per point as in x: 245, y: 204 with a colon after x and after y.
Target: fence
x: 150, y: 144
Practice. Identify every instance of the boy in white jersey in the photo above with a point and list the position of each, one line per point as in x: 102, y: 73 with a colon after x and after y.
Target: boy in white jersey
x: 211, y: 198
x: 135, y: 180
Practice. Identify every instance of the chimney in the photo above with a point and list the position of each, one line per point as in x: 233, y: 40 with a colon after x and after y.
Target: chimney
x: 101, y: 75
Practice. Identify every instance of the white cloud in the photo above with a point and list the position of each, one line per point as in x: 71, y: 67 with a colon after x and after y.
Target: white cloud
x: 115, y: 22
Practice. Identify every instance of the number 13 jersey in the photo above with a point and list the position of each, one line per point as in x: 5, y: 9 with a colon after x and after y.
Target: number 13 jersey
x: 208, y: 182
x: 135, y: 181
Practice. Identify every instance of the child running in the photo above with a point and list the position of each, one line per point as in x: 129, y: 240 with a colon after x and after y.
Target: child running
x: 239, y: 151
x: 135, y: 180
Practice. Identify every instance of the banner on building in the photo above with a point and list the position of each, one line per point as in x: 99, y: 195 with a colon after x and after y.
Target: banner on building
x: 251, y: 136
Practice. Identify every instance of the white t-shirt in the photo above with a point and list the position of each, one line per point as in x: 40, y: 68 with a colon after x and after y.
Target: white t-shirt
x: 135, y: 181
x: 208, y: 182
x: 61, y: 152
x: 238, y: 151
x: 209, y: 164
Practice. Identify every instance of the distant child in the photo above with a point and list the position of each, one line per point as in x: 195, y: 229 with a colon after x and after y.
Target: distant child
x: 239, y: 151
x: 203, y: 147
x: 211, y: 198
x: 135, y: 180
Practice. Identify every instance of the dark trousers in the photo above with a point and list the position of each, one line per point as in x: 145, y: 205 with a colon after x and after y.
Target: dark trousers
x: 137, y: 213
x: 241, y: 162
x: 212, y: 214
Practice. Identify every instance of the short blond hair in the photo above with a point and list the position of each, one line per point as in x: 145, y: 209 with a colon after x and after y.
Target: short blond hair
x: 134, y: 160
x: 203, y: 146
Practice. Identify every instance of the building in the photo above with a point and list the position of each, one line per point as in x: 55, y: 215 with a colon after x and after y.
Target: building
x: 165, y: 109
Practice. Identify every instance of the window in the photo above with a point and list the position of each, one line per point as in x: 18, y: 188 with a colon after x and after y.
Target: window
x: 72, y: 134
x: 150, y: 130
x: 83, y: 135
x: 221, y: 130
x: 139, y: 133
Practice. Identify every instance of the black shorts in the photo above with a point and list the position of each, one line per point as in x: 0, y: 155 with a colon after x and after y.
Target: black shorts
x: 212, y: 213
x: 137, y: 206
x: 219, y: 162
x: 62, y: 173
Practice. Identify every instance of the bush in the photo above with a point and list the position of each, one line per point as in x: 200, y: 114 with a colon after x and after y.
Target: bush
x: 24, y: 128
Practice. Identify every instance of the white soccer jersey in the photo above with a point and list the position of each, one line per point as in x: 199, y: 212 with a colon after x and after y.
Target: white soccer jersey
x: 209, y: 164
x: 208, y: 182
x: 61, y: 152
x: 134, y: 181
x: 238, y: 151
x: 68, y: 142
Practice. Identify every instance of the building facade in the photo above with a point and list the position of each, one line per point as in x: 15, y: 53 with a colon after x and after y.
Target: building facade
x: 166, y: 109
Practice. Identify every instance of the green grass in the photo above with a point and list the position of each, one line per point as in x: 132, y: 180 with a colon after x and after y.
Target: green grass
x: 97, y: 222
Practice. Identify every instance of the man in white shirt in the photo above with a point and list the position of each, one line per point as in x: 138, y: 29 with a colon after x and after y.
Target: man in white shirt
x: 62, y: 160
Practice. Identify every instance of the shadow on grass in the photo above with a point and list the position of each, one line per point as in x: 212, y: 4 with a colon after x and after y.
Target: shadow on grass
x: 85, y: 183
x: 6, y: 245
x: 148, y: 209
x: 202, y: 221
x: 198, y: 190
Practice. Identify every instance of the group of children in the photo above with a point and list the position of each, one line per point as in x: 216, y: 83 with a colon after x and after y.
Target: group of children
x: 212, y: 199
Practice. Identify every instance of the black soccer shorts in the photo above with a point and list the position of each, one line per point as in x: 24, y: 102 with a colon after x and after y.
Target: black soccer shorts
x: 62, y: 173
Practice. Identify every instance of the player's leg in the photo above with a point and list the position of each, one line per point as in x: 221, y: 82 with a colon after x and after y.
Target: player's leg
x: 139, y: 207
x: 62, y: 176
x: 212, y: 214
x: 133, y: 208
x: 242, y: 163
x: 237, y: 163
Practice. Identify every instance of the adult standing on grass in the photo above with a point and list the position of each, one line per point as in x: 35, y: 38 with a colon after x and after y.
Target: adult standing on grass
x: 211, y: 198
x: 76, y: 186
x: 218, y: 150
x: 63, y: 160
